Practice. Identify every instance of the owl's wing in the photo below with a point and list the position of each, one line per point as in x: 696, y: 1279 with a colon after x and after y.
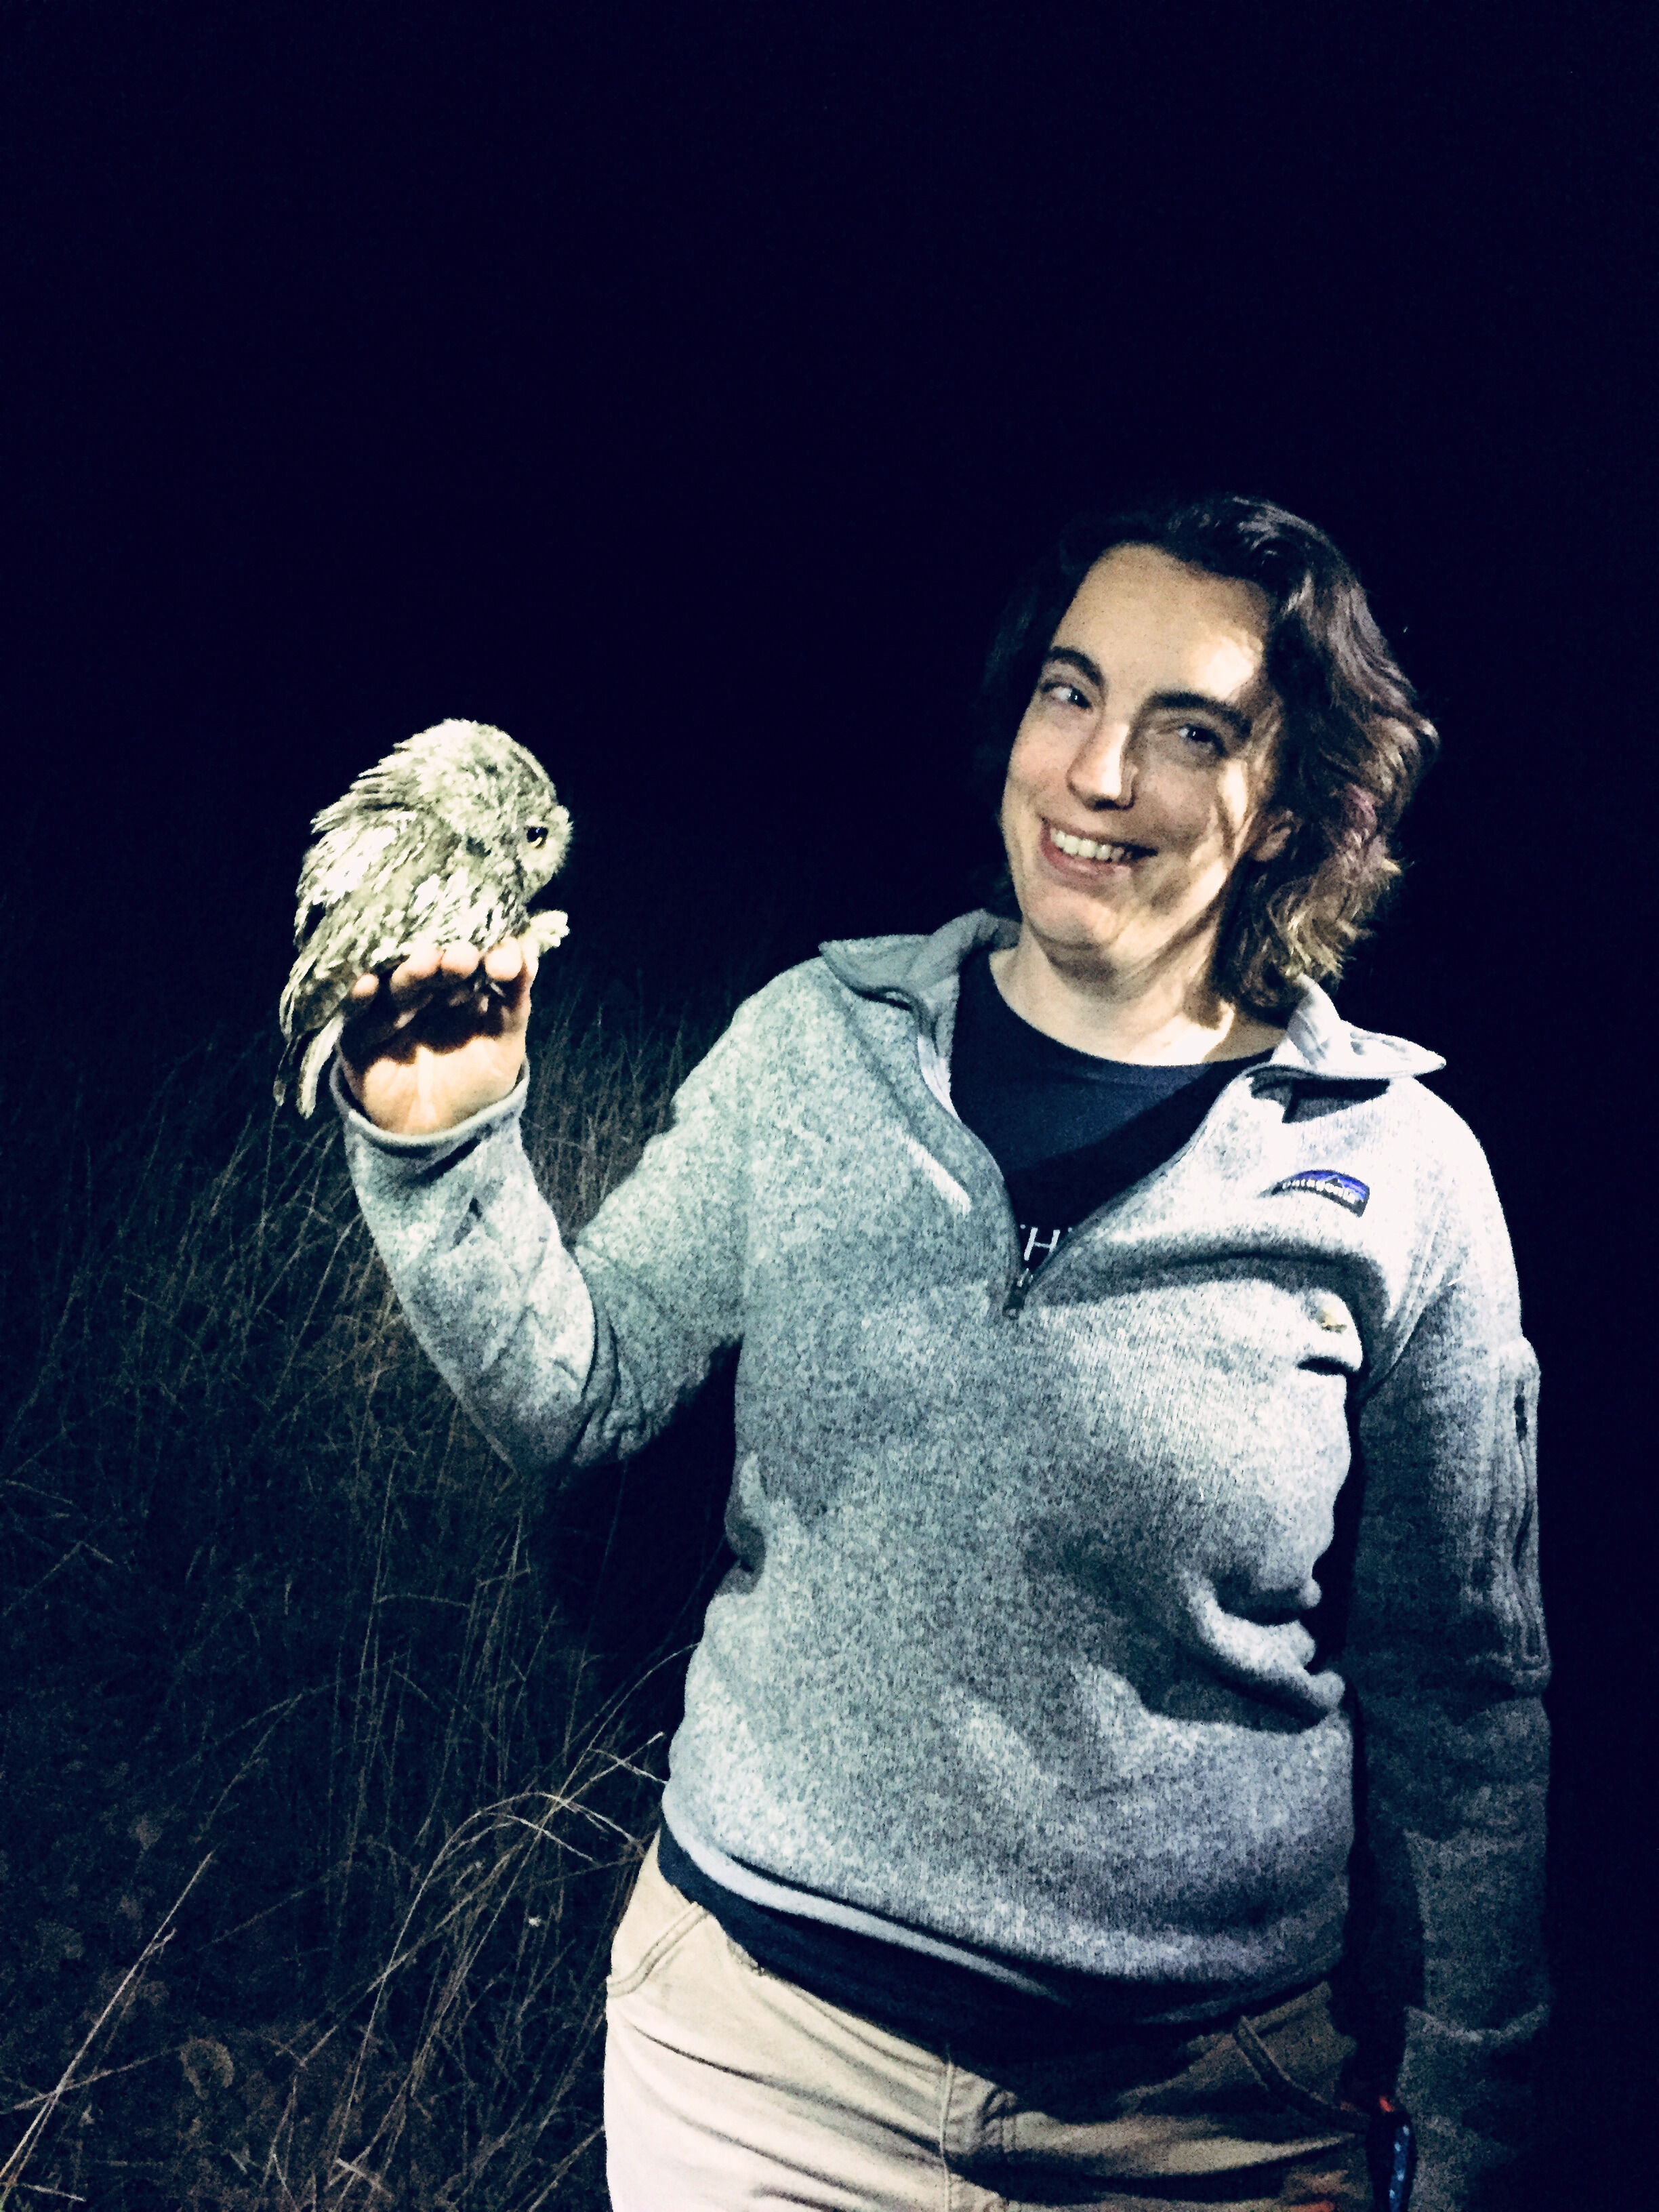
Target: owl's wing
x: 359, y: 905
x: 310, y: 1056
x: 393, y: 782
x: 317, y: 1054
x: 428, y: 884
x: 353, y: 855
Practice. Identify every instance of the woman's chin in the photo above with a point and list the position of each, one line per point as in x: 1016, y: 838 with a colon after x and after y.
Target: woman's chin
x: 1073, y: 943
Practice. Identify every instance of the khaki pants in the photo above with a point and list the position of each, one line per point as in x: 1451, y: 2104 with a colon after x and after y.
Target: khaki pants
x: 726, y: 2087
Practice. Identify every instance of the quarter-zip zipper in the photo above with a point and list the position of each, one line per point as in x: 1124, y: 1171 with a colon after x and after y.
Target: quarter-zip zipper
x: 1024, y: 1277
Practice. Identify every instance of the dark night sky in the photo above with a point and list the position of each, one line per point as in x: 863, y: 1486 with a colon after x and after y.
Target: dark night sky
x: 685, y: 392
x: 685, y: 395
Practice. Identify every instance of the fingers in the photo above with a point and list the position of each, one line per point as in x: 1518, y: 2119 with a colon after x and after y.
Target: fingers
x: 406, y: 984
x: 452, y: 973
x: 426, y: 968
x: 510, y: 967
x: 440, y: 1036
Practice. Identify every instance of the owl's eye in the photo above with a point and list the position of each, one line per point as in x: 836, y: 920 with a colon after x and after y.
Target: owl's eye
x: 536, y: 834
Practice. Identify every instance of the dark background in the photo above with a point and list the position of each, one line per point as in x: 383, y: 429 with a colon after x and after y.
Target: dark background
x: 685, y: 392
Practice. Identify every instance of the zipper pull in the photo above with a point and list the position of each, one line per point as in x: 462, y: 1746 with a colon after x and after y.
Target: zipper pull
x: 1016, y: 1297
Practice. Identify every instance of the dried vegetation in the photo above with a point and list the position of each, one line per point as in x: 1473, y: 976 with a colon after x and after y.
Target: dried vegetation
x: 328, y: 1754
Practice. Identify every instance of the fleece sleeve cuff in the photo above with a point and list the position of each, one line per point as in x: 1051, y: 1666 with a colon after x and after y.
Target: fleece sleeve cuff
x: 429, y: 1148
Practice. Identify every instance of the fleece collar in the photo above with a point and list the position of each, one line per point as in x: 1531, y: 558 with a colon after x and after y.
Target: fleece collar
x: 922, y: 972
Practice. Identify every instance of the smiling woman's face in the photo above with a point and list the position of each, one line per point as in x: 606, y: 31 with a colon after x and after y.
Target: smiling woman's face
x: 1141, y: 774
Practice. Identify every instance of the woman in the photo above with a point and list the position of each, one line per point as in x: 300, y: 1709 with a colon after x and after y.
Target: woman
x: 1133, y: 1503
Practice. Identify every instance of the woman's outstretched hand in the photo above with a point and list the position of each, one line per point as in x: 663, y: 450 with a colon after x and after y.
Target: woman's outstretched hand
x: 441, y: 1037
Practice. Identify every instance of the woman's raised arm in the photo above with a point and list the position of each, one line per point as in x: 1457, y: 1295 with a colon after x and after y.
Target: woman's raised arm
x: 559, y: 1357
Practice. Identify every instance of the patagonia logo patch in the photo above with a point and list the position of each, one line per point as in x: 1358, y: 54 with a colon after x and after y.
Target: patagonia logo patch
x: 1326, y: 1182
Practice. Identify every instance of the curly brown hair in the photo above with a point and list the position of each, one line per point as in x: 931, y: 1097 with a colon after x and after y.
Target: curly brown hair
x: 1355, y: 745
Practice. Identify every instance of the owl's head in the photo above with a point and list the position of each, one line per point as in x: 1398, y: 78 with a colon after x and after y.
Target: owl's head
x: 488, y: 789
x: 540, y: 840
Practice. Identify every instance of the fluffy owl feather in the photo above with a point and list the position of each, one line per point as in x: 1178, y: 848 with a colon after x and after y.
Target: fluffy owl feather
x: 447, y: 839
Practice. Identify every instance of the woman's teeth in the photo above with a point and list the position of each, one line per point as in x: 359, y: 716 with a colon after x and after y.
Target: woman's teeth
x: 1085, y: 848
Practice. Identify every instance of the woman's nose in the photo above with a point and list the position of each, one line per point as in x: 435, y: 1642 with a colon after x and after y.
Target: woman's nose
x: 1103, y: 771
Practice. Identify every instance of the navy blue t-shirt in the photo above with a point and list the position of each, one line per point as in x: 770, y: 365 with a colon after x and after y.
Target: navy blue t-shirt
x: 1069, y: 1133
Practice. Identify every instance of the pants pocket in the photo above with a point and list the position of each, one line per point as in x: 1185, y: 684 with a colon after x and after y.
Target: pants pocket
x: 657, y: 1921
x: 1297, y: 2052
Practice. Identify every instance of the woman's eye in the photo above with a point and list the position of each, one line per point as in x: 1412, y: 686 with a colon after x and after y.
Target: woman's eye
x: 536, y: 834
x: 1068, y: 694
x: 1199, y: 735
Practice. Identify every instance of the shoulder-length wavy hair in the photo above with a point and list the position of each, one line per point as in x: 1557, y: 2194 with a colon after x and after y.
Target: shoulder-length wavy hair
x: 1355, y: 745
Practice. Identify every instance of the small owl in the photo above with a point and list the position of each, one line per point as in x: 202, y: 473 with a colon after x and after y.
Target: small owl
x: 446, y: 839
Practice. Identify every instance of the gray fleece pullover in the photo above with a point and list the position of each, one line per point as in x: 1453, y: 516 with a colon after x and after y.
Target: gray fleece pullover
x: 1025, y: 1660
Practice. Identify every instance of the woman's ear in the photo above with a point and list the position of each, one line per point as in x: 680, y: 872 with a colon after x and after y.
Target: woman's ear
x: 1272, y: 836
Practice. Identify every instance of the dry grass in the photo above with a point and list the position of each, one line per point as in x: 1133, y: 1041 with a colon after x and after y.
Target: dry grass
x: 330, y: 1755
